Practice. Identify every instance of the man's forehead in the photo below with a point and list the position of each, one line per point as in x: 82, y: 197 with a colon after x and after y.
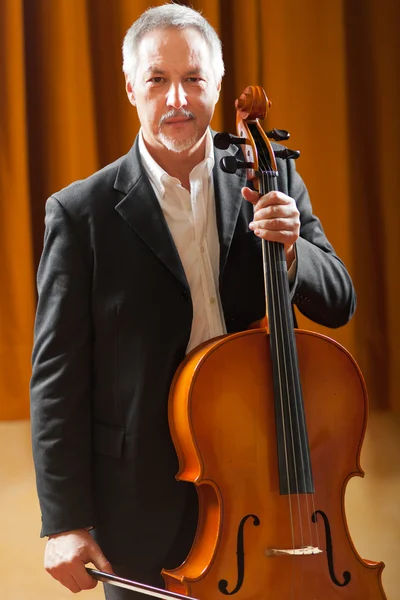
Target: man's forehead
x: 163, y: 42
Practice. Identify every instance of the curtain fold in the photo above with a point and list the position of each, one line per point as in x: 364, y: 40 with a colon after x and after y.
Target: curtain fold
x: 16, y: 269
x: 331, y: 70
x: 374, y: 132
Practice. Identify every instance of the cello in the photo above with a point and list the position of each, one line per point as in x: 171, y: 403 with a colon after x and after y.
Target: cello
x: 268, y: 425
x: 288, y: 412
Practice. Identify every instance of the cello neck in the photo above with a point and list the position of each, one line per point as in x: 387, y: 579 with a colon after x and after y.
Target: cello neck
x: 295, y: 473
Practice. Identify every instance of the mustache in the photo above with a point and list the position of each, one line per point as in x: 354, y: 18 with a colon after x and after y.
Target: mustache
x: 182, y: 112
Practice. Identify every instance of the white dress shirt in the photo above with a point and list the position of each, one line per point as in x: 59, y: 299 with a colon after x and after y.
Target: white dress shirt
x: 192, y: 222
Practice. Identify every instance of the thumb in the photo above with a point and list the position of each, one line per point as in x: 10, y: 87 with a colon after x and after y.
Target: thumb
x: 250, y: 195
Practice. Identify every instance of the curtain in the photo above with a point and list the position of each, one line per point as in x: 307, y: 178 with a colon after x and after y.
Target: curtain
x: 16, y: 264
x: 331, y: 70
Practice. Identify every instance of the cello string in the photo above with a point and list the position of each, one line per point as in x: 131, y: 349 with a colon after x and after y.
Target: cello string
x: 298, y: 396
x: 297, y: 391
x: 301, y: 426
x: 294, y: 416
x: 295, y: 587
x: 295, y: 378
x: 272, y: 301
x: 275, y: 251
x: 275, y: 308
x: 285, y: 444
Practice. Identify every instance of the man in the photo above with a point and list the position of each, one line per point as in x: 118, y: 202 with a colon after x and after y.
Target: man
x: 143, y: 261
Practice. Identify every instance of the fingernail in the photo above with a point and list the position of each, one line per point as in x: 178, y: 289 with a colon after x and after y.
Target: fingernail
x: 251, y: 225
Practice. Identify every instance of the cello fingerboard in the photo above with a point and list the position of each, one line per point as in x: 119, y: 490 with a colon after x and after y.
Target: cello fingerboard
x: 295, y: 472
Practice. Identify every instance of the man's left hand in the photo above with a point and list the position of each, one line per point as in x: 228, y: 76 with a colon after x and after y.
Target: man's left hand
x: 276, y: 219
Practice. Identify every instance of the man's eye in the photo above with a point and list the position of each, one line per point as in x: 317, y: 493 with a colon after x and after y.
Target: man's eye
x: 156, y: 80
x: 194, y: 79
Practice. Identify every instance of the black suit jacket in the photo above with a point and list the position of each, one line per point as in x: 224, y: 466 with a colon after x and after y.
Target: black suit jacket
x: 113, y: 322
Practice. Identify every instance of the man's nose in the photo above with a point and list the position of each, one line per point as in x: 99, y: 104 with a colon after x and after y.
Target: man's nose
x: 176, y: 96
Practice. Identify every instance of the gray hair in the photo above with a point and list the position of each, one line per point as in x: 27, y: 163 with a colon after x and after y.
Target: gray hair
x: 163, y: 17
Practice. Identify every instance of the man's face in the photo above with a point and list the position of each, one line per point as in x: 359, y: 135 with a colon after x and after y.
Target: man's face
x: 174, y: 90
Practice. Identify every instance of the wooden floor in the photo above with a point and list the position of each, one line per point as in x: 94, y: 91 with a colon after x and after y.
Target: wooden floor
x: 372, y: 507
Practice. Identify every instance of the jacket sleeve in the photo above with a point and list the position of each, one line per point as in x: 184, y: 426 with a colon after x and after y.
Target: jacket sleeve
x: 322, y: 289
x: 61, y: 378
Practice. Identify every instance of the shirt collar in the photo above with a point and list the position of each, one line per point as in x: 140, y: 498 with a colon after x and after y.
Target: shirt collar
x: 160, y: 178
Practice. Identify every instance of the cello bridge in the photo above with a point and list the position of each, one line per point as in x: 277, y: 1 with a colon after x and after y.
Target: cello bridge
x: 304, y: 551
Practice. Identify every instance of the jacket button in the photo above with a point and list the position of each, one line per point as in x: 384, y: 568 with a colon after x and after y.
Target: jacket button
x: 185, y: 296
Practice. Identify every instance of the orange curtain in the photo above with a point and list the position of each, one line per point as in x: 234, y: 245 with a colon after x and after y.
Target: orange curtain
x: 331, y: 70
x: 16, y: 266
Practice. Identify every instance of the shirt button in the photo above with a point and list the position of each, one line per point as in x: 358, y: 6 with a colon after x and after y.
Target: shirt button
x: 202, y: 249
x: 212, y: 300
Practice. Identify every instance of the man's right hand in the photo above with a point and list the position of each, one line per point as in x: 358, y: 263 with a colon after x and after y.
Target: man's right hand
x: 67, y: 554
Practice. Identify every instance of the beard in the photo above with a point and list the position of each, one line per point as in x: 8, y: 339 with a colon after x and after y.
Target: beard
x: 176, y: 143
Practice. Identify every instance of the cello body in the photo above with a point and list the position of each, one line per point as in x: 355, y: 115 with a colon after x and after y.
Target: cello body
x: 223, y: 426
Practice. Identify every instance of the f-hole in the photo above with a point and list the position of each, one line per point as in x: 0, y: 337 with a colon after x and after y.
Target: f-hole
x: 329, y: 551
x: 223, y: 584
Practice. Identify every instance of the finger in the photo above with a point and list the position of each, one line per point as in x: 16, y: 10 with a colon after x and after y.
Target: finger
x: 276, y: 211
x: 97, y: 558
x: 287, y: 238
x: 100, y: 561
x: 250, y: 195
x: 69, y: 582
x: 83, y: 580
x: 274, y: 198
x: 275, y: 224
x: 73, y: 575
x: 65, y: 577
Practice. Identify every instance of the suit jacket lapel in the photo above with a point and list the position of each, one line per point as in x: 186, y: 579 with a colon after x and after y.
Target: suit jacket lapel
x: 141, y: 210
x: 228, y: 202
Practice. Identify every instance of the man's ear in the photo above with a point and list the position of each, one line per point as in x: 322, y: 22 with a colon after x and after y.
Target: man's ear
x: 129, y: 90
x: 218, y: 91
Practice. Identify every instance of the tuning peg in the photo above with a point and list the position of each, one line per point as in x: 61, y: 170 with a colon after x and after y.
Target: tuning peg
x: 287, y: 153
x: 229, y: 164
x: 223, y: 140
x: 278, y: 134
